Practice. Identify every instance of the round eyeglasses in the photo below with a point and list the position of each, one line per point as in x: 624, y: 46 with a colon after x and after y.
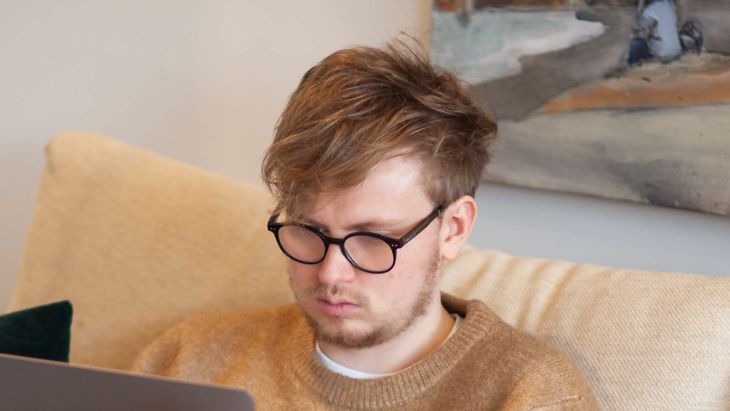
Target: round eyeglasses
x: 370, y: 252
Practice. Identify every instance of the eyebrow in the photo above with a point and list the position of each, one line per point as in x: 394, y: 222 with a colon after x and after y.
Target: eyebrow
x: 389, y: 225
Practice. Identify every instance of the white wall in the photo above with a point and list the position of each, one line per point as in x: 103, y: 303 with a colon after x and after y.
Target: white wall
x: 612, y: 233
x: 204, y: 81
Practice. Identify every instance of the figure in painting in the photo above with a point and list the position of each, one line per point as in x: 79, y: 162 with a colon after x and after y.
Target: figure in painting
x: 658, y: 37
x: 691, y: 37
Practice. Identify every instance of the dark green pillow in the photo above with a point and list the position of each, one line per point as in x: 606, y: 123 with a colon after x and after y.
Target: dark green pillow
x: 38, y: 332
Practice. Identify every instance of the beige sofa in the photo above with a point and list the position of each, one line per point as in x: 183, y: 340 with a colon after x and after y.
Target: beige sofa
x: 137, y: 242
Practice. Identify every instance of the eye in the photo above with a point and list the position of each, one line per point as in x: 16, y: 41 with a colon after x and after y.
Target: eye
x: 384, y: 233
x: 317, y: 228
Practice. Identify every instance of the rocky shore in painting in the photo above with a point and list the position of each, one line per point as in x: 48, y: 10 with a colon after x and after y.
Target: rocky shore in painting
x: 691, y: 80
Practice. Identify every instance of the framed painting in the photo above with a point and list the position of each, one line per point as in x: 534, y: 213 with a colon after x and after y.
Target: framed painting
x: 625, y: 99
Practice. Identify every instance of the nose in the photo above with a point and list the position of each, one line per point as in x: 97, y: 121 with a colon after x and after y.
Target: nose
x: 335, y: 268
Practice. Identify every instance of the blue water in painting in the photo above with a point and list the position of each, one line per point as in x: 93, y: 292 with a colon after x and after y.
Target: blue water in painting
x: 491, y: 44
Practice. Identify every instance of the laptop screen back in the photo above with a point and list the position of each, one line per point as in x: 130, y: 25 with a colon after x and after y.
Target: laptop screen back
x: 29, y: 384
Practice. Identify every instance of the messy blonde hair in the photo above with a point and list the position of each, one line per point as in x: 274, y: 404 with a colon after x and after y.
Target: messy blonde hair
x: 360, y: 106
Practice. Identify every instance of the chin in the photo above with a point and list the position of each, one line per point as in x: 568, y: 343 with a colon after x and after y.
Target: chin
x: 343, y: 333
x: 350, y: 340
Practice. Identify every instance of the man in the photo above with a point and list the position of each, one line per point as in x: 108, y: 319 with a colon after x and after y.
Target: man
x: 374, y: 165
x: 657, y: 20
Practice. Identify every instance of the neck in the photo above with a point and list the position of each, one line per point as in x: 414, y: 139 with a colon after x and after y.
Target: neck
x: 400, y: 352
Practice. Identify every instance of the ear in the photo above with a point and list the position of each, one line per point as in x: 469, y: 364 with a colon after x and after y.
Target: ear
x: 456, y: 225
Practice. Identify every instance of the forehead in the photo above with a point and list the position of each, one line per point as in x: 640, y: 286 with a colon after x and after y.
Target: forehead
x: 393, y: 189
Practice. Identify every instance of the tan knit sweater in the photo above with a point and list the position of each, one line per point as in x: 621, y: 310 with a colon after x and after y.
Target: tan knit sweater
x: 485, y: 365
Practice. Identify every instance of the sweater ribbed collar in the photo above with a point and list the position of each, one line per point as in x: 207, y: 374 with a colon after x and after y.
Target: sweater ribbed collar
x: 341, y: 391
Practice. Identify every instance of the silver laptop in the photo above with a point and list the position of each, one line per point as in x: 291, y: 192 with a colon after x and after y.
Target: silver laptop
x: 29, y: 384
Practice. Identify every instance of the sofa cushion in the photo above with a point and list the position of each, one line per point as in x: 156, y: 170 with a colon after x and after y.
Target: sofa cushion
x: 645, y: 340
x: 138, y: 242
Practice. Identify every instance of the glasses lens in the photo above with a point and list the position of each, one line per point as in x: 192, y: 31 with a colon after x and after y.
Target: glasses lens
x: 369, y: 252
x: 301, y: 244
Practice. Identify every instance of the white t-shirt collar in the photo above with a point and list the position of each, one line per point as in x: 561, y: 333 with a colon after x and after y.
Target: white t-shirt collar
x: 352, y: 373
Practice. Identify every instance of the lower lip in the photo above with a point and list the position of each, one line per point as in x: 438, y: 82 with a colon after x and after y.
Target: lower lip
x: 341, y: 309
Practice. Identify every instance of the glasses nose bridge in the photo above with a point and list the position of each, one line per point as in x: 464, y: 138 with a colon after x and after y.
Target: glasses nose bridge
x: 333, y: 240
x: 339, y: 242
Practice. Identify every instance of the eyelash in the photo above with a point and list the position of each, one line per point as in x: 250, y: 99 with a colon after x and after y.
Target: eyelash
x: 324, y: 231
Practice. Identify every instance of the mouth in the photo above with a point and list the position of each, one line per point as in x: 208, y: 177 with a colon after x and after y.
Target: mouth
x: 337, y: 308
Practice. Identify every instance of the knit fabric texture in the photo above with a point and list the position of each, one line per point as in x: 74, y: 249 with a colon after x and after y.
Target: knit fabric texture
x: 485, y: 365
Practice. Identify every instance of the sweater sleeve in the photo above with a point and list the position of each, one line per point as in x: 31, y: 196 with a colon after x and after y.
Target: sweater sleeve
x: 551, y: 384
x: 159, y: 357
x: 198, y: 348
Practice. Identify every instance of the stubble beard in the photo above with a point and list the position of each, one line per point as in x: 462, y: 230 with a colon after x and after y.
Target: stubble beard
x: 387, y: 329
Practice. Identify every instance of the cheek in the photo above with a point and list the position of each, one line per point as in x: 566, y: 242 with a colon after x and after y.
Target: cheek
x: 397, y: 289
x: 302, y: 275
x: 406, y: 281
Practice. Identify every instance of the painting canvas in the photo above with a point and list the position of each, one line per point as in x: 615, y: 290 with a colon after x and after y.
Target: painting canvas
x: 626, y: 99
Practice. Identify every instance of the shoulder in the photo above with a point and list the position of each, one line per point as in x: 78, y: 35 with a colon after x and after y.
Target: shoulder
x: 214, y: 336
x: 534, y: 374
x: 547, y: 378
x: 232, y: 322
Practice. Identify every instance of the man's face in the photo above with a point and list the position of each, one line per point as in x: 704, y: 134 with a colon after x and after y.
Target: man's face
x: 355, y: 309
